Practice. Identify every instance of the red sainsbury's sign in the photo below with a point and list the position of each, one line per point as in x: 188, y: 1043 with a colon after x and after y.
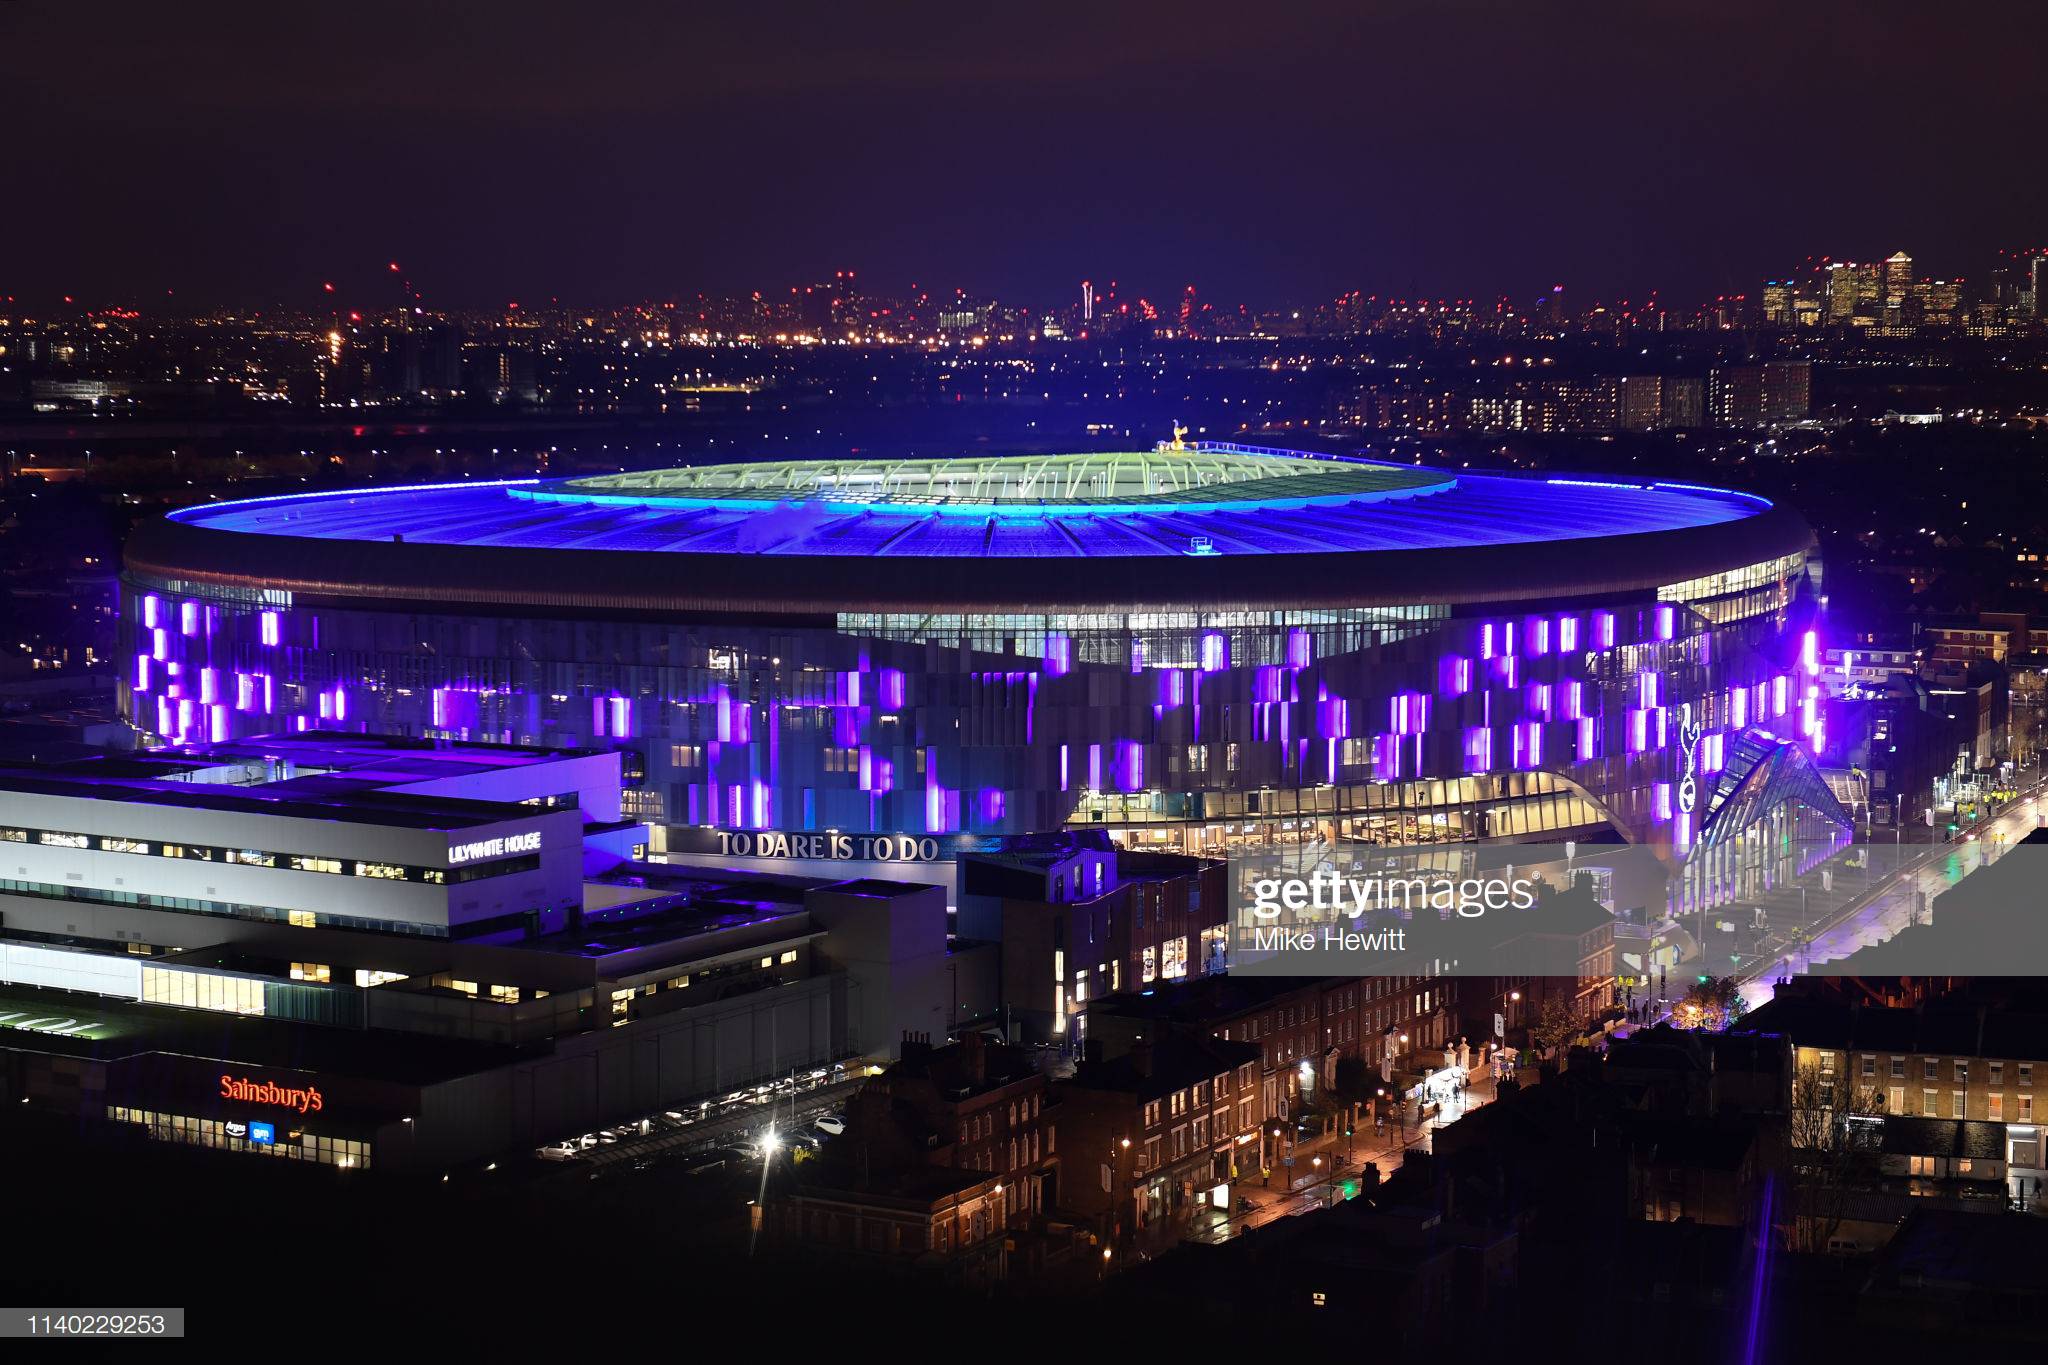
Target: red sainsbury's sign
x: 305, y: 1101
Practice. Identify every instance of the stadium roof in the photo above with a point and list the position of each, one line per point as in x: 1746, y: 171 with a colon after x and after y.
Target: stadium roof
x: 1205, y: 524
x: 1199, y: 477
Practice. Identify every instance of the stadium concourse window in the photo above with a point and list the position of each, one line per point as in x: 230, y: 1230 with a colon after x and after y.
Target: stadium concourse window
x: 215, y: 991
x: 242, y: 1136
x: 1163, y: 639
x: 1437, y: 811
x: 1734, y: 594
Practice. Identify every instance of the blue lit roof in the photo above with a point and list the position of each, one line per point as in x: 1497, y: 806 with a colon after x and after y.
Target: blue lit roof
x: 1206, y: 501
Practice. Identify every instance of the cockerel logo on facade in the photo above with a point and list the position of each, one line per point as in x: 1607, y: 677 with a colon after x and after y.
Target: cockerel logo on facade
x: 1688, y: 748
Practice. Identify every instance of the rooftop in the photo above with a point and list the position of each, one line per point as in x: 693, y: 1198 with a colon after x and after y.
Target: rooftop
x: 1174, y: 1059
x: 1939, y: 1031
x: 1974, y: 1138
x: 1204, y: 501
x: 1201, y: 1001
x: 107, y: 1029
x: 356, y: 779
x: 352, y: 806
x: 1197, y: 476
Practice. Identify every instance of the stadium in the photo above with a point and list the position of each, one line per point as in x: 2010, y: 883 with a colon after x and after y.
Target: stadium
x: 1195, y: 647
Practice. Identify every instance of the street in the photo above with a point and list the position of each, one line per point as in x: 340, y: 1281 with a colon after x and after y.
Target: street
x: 1817, y: 918
x: 1327, y: 1169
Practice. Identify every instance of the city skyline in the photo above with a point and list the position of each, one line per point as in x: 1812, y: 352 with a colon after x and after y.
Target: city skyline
x: 367, y: 293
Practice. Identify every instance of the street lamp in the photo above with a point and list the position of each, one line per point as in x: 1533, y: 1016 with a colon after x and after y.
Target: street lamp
x: 1117, y: 1157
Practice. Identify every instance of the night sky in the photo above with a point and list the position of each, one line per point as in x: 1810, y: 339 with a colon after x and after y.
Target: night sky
x: 1266, y: 153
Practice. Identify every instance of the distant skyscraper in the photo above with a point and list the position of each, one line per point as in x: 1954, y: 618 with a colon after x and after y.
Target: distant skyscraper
x: 1933, y: 303
x: 1856, y: 292
x: 1841, y: 292
x: 1684, y: 402
x: 1641, y: 402
x: 1087, y: 301
x: 1779, y: 297
x: 1898, y: 283
x: 845, y: 299
x: 1746, y: 396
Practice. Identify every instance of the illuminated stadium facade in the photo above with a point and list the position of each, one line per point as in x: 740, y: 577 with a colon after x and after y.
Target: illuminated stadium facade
x: 882, y: 660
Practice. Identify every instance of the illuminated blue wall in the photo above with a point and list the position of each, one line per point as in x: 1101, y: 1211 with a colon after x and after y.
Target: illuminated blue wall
x: 996, y: 725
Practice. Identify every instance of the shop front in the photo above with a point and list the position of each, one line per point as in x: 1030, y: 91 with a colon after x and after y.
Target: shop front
x: 260, y: 1111
x: 264, y: 1137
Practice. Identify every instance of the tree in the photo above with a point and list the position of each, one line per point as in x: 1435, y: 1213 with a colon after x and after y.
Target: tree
x: 1708, y: 1004
x: 1557, y: 1026
x: 1823, y: 1105
x: 1351, y: 1085
x: 1353, y: 1081
x: 1830, y: 1150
